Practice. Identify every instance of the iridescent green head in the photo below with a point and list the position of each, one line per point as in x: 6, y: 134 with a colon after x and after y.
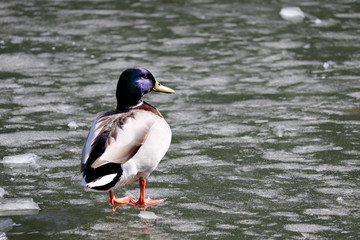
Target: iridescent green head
x: 133, y: 84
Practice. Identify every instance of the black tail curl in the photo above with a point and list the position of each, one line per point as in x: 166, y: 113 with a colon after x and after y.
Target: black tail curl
x: 92, y: 175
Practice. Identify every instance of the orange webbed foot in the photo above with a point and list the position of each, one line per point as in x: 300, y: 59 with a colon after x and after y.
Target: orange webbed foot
x: 114, y: 200
x: 147, y: 201
x: 142, y: 201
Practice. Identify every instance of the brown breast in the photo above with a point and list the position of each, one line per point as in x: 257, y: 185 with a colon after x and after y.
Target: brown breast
x: 147, y: 107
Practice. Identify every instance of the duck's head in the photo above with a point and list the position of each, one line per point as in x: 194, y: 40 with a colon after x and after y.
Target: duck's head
x: 133, y: 84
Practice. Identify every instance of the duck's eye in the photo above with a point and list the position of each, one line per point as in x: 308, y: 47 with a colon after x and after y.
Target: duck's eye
x: 144, y: 75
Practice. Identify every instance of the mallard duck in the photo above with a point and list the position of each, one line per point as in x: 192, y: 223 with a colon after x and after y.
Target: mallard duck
x: 126, y: 144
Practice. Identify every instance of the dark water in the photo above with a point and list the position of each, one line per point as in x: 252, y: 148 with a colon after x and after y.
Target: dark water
x: 266, y: 119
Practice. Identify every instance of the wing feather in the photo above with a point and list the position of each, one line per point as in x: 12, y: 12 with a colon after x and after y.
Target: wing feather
x: 120, y: 135
x: 88, y: 146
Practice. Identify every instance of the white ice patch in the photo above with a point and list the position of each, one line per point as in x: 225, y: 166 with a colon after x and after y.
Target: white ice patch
x: 18, y: 206
x: 3, y: 236
x: 6, y: 224
x: 327, y: 212
x: 354, y: 95
x: 292, y: 14
x: 73, y: 125
x: 306, y: 228
x: 147, y: 215
x: 22, y: 160
x: 21, y: 62
x: 2, y: 192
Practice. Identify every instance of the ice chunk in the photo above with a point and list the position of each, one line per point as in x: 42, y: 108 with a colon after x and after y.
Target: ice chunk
x: 2, y: 192
x: 18, y: 206
x: 328, y: 64
x: 278, y: 131
x: 147, y: 215
x: 327, y: 212
x: 306, y: 228
x: 355, y: 95
x: 292, y: 14
x: 6, y: 224
x: 340, y: 199
x: 21, y: 160
x: 72, y: 125
x: 318, y: 21
x: 3, y: 236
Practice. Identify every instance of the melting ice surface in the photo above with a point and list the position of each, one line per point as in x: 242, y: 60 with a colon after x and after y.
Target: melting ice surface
x: 2, y: 192
x: 265, y: 118
x: 23, y: 160
x: 3, y: 236
x: 18, y: 206
x: 147, y: 215
x: 292, y: 14
x: 6, y: 224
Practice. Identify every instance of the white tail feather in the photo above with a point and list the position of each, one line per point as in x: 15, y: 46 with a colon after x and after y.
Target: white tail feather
x: 100, y: 181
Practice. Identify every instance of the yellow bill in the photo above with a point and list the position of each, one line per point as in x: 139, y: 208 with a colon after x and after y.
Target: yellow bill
x: 160, y: 88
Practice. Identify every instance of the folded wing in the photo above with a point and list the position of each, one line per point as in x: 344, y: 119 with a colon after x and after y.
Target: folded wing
x: 114, y: 138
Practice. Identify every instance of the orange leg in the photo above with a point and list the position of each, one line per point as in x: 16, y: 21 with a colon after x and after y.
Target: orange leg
x: 141, y: 201
x: 113, y: 200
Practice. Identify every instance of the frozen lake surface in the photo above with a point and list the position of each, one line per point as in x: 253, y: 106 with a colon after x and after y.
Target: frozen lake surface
x: 265, y: 119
